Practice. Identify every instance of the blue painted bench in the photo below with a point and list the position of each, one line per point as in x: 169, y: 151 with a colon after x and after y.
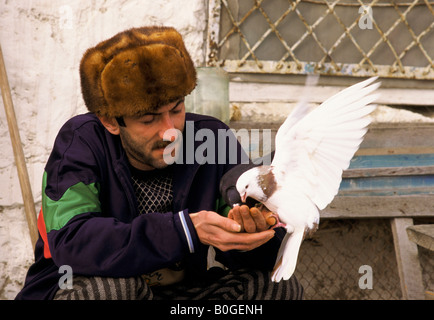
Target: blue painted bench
x: 392, y: 174
x: 395, y: 181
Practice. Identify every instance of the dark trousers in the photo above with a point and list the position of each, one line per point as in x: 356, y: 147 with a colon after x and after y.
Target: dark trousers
x: 237, y: 285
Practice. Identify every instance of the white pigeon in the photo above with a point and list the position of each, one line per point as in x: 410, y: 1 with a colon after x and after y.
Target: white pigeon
x: 311, y: 151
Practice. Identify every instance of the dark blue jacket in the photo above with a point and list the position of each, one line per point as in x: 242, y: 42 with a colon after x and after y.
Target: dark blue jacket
x: 89, y: 218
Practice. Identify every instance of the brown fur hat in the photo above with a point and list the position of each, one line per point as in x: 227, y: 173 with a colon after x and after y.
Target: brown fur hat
x: 136, y: 71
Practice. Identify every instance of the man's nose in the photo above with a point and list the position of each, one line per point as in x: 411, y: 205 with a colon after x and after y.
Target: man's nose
x: 166, y: 123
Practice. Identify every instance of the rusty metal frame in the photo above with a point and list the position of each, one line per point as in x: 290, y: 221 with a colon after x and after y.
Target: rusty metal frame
x: 296, y: 66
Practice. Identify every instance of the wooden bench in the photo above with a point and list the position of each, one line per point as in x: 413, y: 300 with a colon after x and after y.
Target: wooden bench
x: 422, y: 235
x: 391, y: 176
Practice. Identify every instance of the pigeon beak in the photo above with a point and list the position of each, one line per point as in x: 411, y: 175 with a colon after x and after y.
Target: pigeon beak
x: 244, y: 197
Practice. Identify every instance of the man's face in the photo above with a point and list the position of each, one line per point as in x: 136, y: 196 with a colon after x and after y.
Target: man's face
x: 142, y: 137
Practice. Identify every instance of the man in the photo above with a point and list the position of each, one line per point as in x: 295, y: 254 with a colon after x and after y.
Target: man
x: 114, y: 212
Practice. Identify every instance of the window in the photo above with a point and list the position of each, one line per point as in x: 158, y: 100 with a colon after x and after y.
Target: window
x: 391, y: 39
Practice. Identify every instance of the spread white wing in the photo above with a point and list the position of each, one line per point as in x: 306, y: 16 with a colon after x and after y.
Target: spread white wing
x: 314, y: 149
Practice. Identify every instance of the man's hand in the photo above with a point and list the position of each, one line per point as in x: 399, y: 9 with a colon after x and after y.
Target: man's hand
x: 225, y: 234
x: 253, y: 219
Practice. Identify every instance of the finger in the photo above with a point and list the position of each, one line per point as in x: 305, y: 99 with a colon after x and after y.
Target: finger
x: 236, y: 216
x: 270, y: 218
x: 225, y: 223
x: 230, y: 214
x: 259, y: 219
x: 247, y: 241
x: 248, y: 222
x: 263, y: 237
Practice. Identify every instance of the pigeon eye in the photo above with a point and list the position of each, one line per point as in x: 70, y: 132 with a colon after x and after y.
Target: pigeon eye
x: 247, y: 186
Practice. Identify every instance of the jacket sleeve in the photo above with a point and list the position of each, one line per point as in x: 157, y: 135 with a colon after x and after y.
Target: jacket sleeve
x: 79, y: 232
x: 96, y: 245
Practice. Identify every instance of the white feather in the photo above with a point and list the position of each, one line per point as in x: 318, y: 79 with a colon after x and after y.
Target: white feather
x: 328, y: 136
x: 287, y: 255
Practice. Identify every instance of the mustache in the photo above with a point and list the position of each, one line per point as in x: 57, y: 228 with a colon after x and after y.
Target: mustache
x: 161, y: 144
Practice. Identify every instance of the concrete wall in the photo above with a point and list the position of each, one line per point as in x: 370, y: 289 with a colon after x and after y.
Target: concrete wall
x: 42, y: 43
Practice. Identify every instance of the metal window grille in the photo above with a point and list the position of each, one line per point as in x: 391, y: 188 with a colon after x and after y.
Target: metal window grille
x: 393, y: 39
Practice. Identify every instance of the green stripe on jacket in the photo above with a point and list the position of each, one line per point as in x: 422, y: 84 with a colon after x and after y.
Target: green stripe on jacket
x: 221, y: 207
x: 79, y: 198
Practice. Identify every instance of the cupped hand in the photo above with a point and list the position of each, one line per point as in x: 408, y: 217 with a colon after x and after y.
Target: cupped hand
x: 255, y: 219
x: 226, y: 233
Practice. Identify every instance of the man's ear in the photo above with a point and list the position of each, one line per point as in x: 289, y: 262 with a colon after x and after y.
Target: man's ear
x: 110, y: 124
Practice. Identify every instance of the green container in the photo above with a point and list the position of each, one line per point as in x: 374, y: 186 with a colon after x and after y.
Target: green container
x: 211, y: 95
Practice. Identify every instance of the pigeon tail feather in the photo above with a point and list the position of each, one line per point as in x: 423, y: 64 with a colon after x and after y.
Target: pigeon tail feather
x: 288, y: 255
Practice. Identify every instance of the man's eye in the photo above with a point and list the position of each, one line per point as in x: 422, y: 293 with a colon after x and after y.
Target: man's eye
x: 147, y: 119
x: 179, y: 106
